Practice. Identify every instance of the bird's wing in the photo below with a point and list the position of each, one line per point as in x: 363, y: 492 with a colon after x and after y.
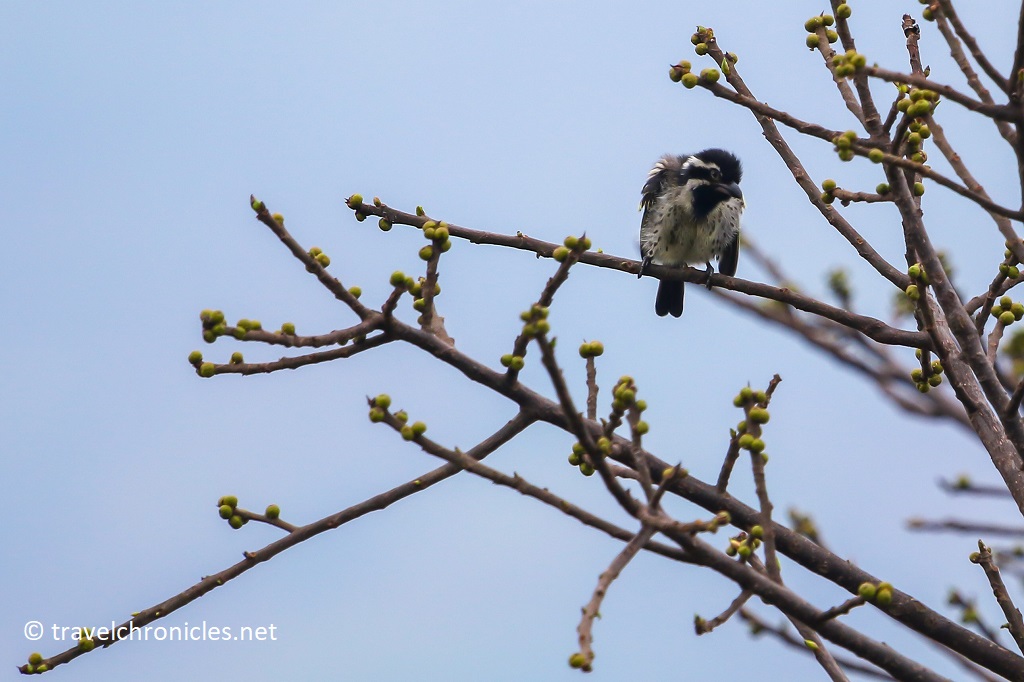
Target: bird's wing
x: 646, y: 233
x: 657, y: 179
x: 730, y: 257
x: 664, y: 167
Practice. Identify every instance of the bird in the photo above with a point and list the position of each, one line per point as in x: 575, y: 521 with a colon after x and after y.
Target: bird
x: 692, y: 206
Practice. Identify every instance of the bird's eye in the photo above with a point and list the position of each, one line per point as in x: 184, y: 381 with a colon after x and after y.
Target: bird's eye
x: 716, y: 174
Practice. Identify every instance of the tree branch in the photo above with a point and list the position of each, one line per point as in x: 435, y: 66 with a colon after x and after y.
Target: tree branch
x: 252, y: 559
x: 1015, y: 623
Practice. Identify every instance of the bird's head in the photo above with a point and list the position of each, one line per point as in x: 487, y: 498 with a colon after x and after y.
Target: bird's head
x: 715, y: 171
x: 711, y: 176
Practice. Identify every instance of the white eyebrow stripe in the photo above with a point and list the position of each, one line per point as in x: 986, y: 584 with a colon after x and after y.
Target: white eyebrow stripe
x: 694, y: 161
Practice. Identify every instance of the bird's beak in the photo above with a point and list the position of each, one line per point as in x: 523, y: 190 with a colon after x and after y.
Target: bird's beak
x: 730, y: 190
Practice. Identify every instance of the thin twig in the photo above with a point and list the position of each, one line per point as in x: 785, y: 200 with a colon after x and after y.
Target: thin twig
x: 871, y: 327
x: 847, y: 197
x: 731, y: 455
x: 956, y: 341
x: 593, y: 608
x: 429, y: 285
x: 1013, y: 406
x: 994, y: 337
x: 969, y: 615
x: 592, y: 389
x: 956, y: 51
x: 757, y: 460
x: 1013, y: 82
x: 845, y: 91
x: 759, y: 626
x: 388, y: 309
x: 338, y: 337
x: 1015, y: 624
x: 464, y: 460
x: 972, y: 45
x: 547, y: 296
x: 312, y: 265
x: 794, y: 606
x: 960, y: 168
x: 811, y: 638
x: 702, y: 627
x: 263, y: 518
x: 966, y: 486
x: 998, y: 112
x: 982, y: 305
x: 871, y: 118
x: 958, y: 526
x: 844, y: 608
x: 252, y: 559
x: 636, y: 455
x: 903, y: 608
x: 579, y: 428
x: 770, y: 557
x: 861, y: 148
x: 249, y: 368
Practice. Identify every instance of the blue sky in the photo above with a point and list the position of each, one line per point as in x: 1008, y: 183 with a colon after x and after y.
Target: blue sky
x: 132, y: 138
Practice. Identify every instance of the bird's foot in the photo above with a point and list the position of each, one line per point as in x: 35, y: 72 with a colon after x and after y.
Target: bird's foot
x: 644, y: 264
x: 707, y: 274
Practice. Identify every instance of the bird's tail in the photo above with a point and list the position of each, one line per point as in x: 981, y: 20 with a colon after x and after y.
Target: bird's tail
x: 670, y: 298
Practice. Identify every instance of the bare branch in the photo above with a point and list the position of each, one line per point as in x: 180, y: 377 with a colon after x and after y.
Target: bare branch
x: 580, y: 429
x: 960, y: 168
x: 792, y: 605
x: 993, y: 340
x: 827, y: 53
x: 1013, y: 406
x: 430, y: 286
x: 872, y: 328
x: 961, y: 352
x: 592, y: 389
x: 811, y: 556
x: 547, y: 296
x: 956, y: 51
x: 846, y: 197
x: 702, y: 627
x: 887, y: 377
x: 300, y: 534
x: 248, y: 368
x: 844, y: 608
x: 593, y: 607
x: 958, y: 526
x: 970, y: 615
x: 311, y: 264
x: 731, y: 455
x: 766, y: 114
x: 811, y: 639
x: 1013, y: 82
x: 465, y: 461
x: 263, y: 518
x: 965, y: 485
x: 972, y: 45
x: 1015, y: 623
x: 998, y: 112
x: 759, y: 626
x: 982, y: 305
x: 871, y: 118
